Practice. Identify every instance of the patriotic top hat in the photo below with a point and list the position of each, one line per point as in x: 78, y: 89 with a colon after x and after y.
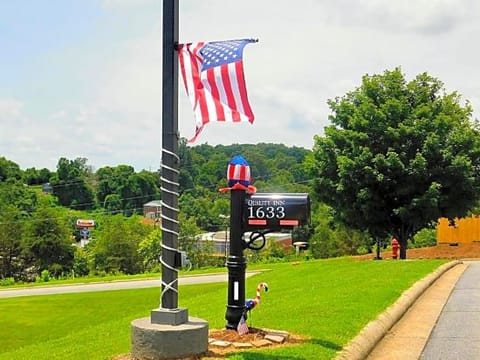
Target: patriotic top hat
x: 238, y: 171
x: 238, y: 175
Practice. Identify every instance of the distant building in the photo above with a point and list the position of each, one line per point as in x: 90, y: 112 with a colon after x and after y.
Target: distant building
x: 221, y: 240
x: 152, y: 209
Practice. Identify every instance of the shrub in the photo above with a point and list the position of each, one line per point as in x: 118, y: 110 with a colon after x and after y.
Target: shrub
x: 424, y: 238
x: 80, y: 262
x: 44, y: 276
x: 276, y: 250
x: 7, y: 281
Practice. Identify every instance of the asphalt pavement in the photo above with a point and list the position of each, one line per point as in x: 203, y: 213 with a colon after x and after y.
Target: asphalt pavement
x: 114, y: 285
x: 442, y: 324
x: 456, y: 334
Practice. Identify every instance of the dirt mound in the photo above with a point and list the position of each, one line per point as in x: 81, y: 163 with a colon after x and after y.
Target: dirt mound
x: 254, y: 339
x: 442, y: 251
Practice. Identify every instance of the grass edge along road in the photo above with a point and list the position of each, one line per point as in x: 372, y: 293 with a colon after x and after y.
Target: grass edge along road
x: 327, y: 301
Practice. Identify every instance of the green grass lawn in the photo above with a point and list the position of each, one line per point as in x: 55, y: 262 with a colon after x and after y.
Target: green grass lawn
x: 328, y: 301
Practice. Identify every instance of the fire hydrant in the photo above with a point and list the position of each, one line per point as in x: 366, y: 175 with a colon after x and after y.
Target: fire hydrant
x: 395, y: 247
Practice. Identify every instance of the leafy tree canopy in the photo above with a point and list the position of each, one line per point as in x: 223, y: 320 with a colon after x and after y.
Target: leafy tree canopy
x: 9, y: 170
x: 116, y: 248
x: 33, y: 176
x: 16, y: 194
x: 11, y: 231
x: 48, y: 242
x: 203, y: 170
x: 70, y: 184
x: 121, y: 189
x: 398, y: 156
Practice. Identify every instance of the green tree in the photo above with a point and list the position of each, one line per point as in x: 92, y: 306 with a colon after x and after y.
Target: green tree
x: 187, y: 169
x: 48, y: 241
x: 323, y: 242
x: 71, y: 184
x: 13, y: 192
x: 116, y: 246
x: 121, y: 189
x: 80, y: 262
x: 9, y: 170
x: 188, y: 231
x: 32, y: 176
x: 17, y: 203
x: 398, y: 156
x: 11, y: 233
x: 113, y: 204
x: 205, y: 208
x: 204, y: 166
x: 140, y: 188
x: 109, y: 180
x: 150, y: 250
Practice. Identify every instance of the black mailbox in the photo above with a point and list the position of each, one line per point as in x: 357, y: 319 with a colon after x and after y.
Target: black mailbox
x: 275, y: 211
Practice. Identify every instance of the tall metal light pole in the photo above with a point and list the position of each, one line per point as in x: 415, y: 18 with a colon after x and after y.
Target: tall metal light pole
x: 170, y: 163
x: 169, y: 312
x: 169, y: 333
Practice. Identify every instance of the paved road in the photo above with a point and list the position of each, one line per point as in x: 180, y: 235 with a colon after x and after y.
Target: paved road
x: 442, y: 324
x: 407, y: 338
x: 456, y: 334
x: 116, y: 285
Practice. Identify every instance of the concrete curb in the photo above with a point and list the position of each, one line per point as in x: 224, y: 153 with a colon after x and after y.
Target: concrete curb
x: 360, y: 346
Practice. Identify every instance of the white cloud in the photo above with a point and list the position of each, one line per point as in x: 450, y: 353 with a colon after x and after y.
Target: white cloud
x: 10, y: 111
x: 418, y: 16
x: 100, y: 97
x: 126, y: 4
x: 131, y: 82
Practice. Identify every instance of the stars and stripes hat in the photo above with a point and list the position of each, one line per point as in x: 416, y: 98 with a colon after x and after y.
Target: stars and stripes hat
x: 238, y: 171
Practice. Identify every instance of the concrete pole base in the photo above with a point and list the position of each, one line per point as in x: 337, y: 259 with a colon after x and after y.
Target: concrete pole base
x: 159, y: 341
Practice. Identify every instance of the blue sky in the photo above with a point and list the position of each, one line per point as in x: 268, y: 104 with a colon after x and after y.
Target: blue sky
x: 82, y: 78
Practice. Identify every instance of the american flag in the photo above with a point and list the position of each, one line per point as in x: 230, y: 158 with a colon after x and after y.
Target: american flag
x: 215, y: 82
x: 242, y: 327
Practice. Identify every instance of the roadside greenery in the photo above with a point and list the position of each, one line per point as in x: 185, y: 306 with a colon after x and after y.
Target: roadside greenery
x: 317, y: 293
x: 397, y: 156
x: 38, y: 226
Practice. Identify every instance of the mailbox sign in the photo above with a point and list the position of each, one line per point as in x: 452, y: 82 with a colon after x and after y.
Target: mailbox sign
x: 275, y: 211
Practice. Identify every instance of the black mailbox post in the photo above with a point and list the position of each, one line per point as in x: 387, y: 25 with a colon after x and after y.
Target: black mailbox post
x: 275, y: 211
x: 258, y: 213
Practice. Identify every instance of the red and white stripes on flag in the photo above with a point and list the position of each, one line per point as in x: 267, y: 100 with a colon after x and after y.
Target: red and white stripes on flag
x: 215, y: 81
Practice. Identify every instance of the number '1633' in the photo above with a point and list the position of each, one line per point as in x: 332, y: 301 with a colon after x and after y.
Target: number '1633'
x: 266, y: 212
